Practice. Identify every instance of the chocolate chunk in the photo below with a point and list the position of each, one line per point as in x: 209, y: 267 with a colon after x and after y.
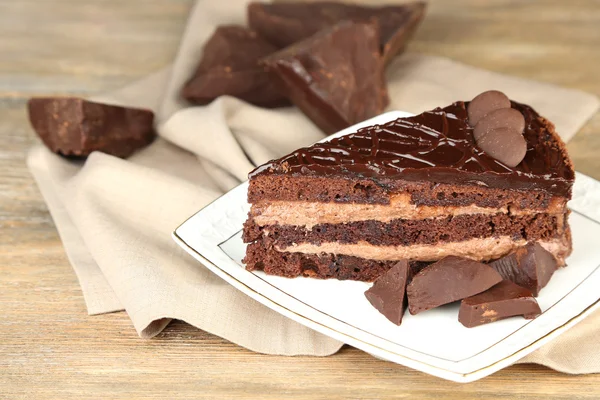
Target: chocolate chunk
x: 505, y: 145
x: 335, y: 77
x: 388, y: 293
x: 286, y: 23
x: 230, y: 65
x: 501, y: 301
x: 485, y: 103
x: 448, y: 280
x: 76, y: 127
x: 502, y: 118
x: 530, y: 266
x: 416, y: 267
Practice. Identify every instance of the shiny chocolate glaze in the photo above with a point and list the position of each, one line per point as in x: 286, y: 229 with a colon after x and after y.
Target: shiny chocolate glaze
x: 435, y: 146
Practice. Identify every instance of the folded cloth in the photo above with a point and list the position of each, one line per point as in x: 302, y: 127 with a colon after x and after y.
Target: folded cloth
x: 115, y: 216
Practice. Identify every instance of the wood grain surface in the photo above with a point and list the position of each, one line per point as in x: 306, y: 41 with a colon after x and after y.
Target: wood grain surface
x: 50, y: 348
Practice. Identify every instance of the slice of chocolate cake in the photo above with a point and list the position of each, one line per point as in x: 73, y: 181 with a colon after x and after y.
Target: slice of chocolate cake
x: 417, y: 188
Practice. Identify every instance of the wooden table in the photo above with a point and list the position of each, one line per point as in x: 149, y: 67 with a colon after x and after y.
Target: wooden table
x: 50, y: 348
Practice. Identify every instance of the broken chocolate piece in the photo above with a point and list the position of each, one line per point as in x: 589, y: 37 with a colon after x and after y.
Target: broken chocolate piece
x: 230, y: 65
x: 388, y: 293
x: 530, y: 266
x: 76, y: 127
x: 417, y: 266
x: 504, y: 300
x: 284, y: 24
x: 448, y: 280
x: 335, y: 77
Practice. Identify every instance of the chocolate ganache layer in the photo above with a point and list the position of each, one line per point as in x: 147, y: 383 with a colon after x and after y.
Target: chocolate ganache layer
x: 435, y: 146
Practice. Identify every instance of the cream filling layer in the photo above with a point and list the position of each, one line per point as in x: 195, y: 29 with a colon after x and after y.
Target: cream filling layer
x: 477, y: 249
x: 309, y: 214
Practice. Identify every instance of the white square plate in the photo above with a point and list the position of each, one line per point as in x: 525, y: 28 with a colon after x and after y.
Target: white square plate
x: 433, y: 342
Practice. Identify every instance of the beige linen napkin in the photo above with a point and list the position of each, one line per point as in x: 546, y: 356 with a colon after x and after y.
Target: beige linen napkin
x: 115, y: 216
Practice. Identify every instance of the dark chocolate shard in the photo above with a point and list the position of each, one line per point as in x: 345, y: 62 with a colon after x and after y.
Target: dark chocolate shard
x: 284, y: 24
x: 448, y: 280
x: 73, y: 126
x: 416, y: 267
x: 230, y: 65
x: 530, y: 266
x: 335, y: 77
x: 388, y: 293
x: 503, y: 300
x: 436, y: 146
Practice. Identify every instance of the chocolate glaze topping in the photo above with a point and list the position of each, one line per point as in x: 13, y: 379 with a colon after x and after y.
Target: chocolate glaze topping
x: 436, y: 146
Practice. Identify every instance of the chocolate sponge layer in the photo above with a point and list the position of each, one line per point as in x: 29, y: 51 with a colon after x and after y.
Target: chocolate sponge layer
x: 401, y: 232
x: 262, y: 257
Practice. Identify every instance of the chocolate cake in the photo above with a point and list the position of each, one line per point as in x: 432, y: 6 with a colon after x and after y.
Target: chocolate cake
x: 417, y: 188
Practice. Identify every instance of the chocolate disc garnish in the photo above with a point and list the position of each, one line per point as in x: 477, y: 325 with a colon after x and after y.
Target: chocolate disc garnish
x: 505, y: 145
x: 504, y: 117
x: 485, y: 103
